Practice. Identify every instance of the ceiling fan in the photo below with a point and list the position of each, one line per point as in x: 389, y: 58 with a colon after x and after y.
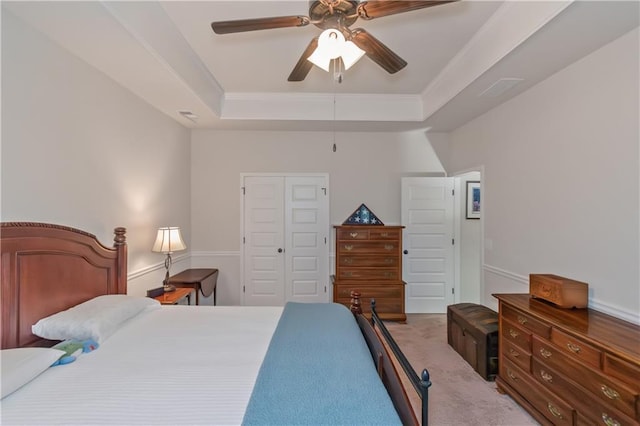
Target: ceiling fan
x: 337, y: 15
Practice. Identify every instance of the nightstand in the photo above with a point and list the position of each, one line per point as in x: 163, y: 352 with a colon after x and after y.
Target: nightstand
x: 175, y: 297
x: 202, y: 280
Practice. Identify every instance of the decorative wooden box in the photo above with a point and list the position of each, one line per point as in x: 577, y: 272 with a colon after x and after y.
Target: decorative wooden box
x: 562, y: 292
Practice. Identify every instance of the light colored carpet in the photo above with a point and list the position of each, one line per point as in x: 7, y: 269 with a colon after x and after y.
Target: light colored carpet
x: 458, y: 395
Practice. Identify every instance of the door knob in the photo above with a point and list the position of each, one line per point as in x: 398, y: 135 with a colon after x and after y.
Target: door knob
x: 280, y: 250
x: 406, y: 252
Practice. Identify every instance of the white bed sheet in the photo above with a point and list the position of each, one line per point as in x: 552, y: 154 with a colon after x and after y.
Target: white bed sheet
x: 183, y: 365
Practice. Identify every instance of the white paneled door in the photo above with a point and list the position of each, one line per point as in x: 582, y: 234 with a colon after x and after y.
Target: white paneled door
x: 285, y: 239
x: 428, y: 259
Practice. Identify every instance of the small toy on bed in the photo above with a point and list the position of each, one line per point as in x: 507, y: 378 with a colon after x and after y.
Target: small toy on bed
x: 73, y: 348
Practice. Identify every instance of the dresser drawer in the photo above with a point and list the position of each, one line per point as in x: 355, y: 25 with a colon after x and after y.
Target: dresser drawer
x: 516, y: 335
x: 604, y: 389
x: 622, y: 370
x: 517, y: 355
x: 576, y: 348
x: 553, y: 380
x: 526, y: 321
x: 368, y: 247
x: 352, y: 234
x: 553, y: 408
x: 580, y: 398
x: 385, y: 234
x: 382, y: 305
x: 368, y: 274
x: 356, y: 259
x: 367, y: 292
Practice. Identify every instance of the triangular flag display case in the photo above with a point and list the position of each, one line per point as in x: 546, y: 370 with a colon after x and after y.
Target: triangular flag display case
x: 363, y: 216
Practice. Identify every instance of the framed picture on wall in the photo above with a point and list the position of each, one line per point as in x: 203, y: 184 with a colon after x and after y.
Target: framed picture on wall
x: 473, y: 199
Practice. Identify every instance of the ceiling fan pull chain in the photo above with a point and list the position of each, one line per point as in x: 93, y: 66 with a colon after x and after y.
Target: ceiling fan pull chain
x: 337, y: 69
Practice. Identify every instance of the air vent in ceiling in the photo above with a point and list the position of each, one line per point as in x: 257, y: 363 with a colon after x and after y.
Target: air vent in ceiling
x: 189, y: 115
x: 500, y: 87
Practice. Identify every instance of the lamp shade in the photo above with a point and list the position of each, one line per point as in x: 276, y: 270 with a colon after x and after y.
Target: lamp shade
x: 168, y: 240
x: 331, y: 45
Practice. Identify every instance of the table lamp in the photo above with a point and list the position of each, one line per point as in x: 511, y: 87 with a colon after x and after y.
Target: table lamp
x: 168, y: 240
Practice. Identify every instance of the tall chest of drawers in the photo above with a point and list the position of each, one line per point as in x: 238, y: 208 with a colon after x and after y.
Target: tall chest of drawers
x: 369, y: 260
x: 568, y: 366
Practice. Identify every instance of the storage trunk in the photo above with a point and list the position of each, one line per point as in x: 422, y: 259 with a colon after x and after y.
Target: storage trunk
x: 472, y: 330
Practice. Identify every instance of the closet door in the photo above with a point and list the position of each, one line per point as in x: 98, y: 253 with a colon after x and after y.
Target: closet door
x: 306, y: 246
x: 263, y: 241
x: 285, y: 239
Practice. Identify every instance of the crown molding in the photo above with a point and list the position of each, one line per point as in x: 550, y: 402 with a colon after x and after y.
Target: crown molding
x: 510, y: 26
x: 319, y: 106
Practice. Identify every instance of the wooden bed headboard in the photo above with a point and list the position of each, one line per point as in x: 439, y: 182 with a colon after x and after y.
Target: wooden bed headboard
x: 48, y: 268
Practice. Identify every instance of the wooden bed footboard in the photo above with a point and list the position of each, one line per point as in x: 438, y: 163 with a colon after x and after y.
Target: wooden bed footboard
x: 386, y: 367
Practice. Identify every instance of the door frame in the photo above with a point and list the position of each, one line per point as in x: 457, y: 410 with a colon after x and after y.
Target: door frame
x: 459, y: 206
x: 243, y: 176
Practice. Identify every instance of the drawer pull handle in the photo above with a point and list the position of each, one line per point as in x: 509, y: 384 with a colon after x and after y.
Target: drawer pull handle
x: 554, y: 410
x: 545, y: 353
x: 522, y: 320
x: 609, y: 393
x: 546, y: 376
x: 388, y: 247
x: 388, y: 260
x: 348, y: 247
x: 514, y: 353
x: 384, y: 234
x: 348, y: 260
x: 388, y: 274
x: 348, y: 274
x: 609, y: 421
x: 353, y: 234
x: 511, y: 375
x: 573, y: 348
x: 513, y: 333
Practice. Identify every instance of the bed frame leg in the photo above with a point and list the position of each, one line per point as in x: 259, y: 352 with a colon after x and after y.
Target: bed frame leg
x: 425, y: 383
x: 355, y: 308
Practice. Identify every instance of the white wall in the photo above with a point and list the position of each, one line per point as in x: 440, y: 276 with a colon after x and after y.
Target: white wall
x: 561, y: 180
x: 469, y: 245
x: 366, y: 168
x: 80, y: 150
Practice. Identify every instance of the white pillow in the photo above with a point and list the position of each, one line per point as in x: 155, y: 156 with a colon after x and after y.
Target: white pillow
x: 95, y: 319
x: 21, y: 365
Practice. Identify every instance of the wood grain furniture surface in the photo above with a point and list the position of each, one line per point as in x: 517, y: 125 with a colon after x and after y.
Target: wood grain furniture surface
x: 369, y: 261
x: 176, y: 297
x: 472, y: 331
x: 48, y: 268
x: 568, y: 366
x: 203, y: 280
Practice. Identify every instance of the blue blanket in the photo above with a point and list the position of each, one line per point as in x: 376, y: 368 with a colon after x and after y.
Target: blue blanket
x: 318, y: 371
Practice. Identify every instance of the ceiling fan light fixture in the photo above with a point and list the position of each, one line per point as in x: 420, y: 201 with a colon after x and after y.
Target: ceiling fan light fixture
x: 320, y: 58
x: 351, y: 54
x: 332, y: 45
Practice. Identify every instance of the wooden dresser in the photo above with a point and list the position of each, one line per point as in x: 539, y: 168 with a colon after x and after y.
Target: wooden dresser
x: 369, y: 260
x: 568, y: 366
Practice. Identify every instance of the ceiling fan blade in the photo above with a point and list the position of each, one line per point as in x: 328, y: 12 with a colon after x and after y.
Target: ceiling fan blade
x: 377, y: 51
x: 242, y: 25
x: 378, y: 8
x: 303, y: 66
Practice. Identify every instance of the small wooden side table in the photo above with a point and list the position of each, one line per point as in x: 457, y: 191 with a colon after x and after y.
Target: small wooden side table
x: 203, y: 280
x: 175, y: 297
